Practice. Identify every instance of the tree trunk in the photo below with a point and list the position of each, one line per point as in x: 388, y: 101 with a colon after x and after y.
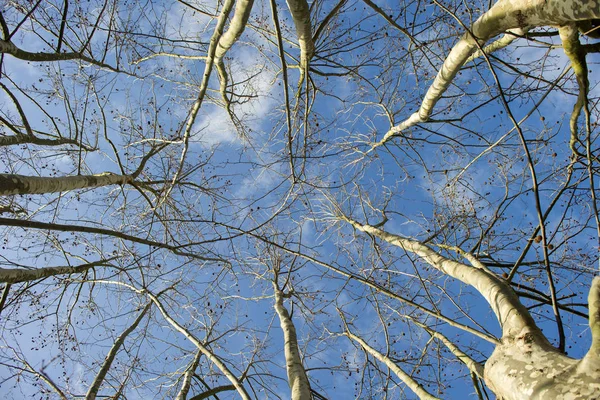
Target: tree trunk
x: 297, y: 378
x: 301, y: 16
x: 524, y: 365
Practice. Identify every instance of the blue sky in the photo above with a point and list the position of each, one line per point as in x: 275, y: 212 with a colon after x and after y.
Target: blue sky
x: 238, y: 187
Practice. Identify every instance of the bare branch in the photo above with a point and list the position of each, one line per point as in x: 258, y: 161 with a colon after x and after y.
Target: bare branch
x: 95, y: 386
x: 408, y: 380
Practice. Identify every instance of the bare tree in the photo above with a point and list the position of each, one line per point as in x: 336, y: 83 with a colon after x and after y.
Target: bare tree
x: 299, y: 199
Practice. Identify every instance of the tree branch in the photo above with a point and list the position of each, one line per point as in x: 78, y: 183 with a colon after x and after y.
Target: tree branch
x: 187, y: 377
x: 95, y: 386
x: 301, y: 17
x: 511, y: 314
x: 503, y: 16
x: 408, y: 380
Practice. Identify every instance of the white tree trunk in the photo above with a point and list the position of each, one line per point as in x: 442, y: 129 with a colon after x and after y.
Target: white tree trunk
x: 297, y: 378
x: 301, y: 16
x: 187, y: 377
x: 243, y: 8
x: 524, y: 365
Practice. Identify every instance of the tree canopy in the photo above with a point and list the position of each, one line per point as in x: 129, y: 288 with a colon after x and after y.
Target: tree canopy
x: 300, y: 199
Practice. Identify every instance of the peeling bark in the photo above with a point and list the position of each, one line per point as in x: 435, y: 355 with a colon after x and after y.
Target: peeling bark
x: 297, y: 379
x: 520, y: 369
x: 524, y: 365
x: 594, y: 319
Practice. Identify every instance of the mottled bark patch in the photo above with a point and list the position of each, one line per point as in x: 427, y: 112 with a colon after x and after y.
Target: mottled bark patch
x: 11, y: 185
x: 521, y: 19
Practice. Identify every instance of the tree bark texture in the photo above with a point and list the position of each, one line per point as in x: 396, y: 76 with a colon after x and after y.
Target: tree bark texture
x: 524, y: 365
x: 504, y: 16
x: 301, y: 16
x: 11, y: 184
x: 297, y: 378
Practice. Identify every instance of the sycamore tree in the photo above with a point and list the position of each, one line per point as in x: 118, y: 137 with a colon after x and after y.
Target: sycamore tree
x: 300, y: 199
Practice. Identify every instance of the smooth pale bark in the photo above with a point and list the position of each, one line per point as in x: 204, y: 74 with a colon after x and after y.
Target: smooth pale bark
x: 202, y: 348
x: 210, y: 60
x: 503, y: 16
x: 408, y: 380
x: 524, y: 365
x: 243, y: 8
x: 95, y: 386
x: 507, y: 39
x: 297, y: 379
x: 301, y: 17
x: 512, y: 315
x: 21, y: 184
x: 569, y: 35
x: 16, y: 275
x: 187, y: 377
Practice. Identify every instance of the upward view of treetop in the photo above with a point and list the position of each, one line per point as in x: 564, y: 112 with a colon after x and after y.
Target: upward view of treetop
x: 271, y: 199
